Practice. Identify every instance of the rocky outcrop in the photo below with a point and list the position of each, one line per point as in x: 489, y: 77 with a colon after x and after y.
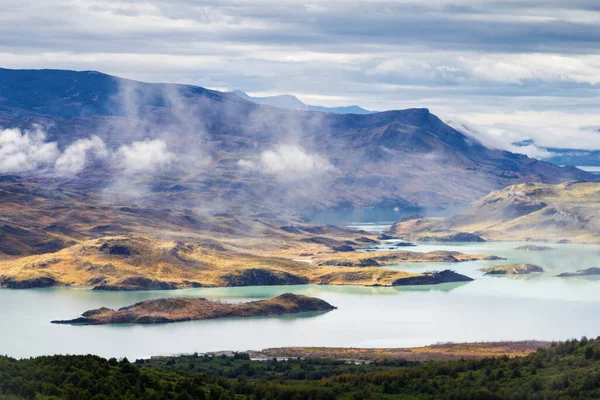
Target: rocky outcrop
x: 387, y: 258
x: 192, y: 309
x: 404, y: 244
x: 513, y: 269
x: 533, y: 247
x: 138, y: 283
x: 40, y: 282
x: 262, y: 277
x: 432, y: 278
x: 594, y: 271
x: 453, y: 237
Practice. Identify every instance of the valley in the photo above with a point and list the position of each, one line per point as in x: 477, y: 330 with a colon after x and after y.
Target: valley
x: 224, y: 214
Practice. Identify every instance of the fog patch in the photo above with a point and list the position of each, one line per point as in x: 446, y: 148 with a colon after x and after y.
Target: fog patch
x: 73, y: 160
x: 288, y: 162
x: 25, y: 151
x: 146, y: 156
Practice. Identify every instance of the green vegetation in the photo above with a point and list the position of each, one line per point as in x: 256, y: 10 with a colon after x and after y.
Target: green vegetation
x: 565, y: 370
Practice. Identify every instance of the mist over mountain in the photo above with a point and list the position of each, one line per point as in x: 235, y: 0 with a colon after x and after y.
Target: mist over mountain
x: 192, y: 147
x: 560, y: 156
x: 293, y: 103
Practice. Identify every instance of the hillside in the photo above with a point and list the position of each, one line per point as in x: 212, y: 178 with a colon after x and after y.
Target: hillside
x: 138, y: 263
x: 216, y: 151
x: 568, y: 212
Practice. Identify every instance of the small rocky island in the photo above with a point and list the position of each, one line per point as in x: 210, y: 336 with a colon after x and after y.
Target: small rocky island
x: 533, y: 247
x: 193, y: 309
x: 512, y: 269
x: 432, y: 278
x: 594, y: 271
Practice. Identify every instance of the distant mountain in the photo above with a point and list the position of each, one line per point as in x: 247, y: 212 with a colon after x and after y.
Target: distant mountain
x: 568, y: 212
x: 293, y: 103
x: 219, y: 152
x: 574, y: 157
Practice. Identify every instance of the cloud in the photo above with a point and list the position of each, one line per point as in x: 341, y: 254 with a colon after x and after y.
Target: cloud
x: 25, y: 151
x: 28, y: 151
x: 72, y: 160
x: 288, y: 162
x: 455, y: 57
x: 144, y: 157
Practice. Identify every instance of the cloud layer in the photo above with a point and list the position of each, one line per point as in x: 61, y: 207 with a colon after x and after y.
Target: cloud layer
x: 479, y: 60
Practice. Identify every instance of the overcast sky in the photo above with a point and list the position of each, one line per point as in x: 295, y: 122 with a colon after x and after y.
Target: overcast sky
x: 513, y: 69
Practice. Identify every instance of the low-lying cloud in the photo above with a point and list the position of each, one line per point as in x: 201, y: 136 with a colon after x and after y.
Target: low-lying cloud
x: 28, y: 151
x: 288, y: 162
x: 533, y: 141
x: 144, y: 156
x: 73, y: 160
x: 25, y: 151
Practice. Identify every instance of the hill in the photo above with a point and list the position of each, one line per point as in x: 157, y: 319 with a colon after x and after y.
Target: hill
x: 186, y: 146
x: 568, y: 212
x: 139, y: 263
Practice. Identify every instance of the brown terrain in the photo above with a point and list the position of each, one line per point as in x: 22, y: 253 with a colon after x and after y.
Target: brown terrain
x: 513, y: 269
x: 139, y: 263
x: 562, y: 213
x: 446, y: 351
x: 193, y: 309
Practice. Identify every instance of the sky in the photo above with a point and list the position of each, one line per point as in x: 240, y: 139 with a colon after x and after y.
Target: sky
x: 504, y: 70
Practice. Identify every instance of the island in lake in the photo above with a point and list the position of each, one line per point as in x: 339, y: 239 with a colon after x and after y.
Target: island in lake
x: 194, y: 309
x: 594, y: 271
x: 513, y: 269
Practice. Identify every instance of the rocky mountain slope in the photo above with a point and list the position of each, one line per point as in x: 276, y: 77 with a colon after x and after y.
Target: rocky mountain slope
x: 568, y: 212
x: 221, y: 152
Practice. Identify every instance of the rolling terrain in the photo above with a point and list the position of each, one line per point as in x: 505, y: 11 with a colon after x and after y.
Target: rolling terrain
x: 138, y: 263
x: 157, y: 186
x: 568, y: 212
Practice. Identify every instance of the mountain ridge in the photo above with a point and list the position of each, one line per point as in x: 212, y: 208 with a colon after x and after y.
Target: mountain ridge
x: 258, y: 157
x: 291, y: 102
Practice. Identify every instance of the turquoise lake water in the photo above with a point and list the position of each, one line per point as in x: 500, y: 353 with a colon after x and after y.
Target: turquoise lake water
x: 487, y: 309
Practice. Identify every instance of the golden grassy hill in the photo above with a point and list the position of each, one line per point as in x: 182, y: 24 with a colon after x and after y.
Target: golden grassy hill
x: 132, y: 262
x: 568, y: 212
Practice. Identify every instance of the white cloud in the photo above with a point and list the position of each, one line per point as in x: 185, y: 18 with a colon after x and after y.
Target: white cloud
x: 144, y: 156
x: 288, y: 162
x: 24, y: 151
x: 73, y: 159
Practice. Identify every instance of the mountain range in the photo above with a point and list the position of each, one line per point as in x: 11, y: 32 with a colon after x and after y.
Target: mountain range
x: 293, y: 103
x: 187, y: 146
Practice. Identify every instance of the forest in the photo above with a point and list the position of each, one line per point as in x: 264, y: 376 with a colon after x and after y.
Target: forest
x: 569, y: 369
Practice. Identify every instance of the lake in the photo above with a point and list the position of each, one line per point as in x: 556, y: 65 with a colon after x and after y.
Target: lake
x: 488, y: 309
x: 374, y: 219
